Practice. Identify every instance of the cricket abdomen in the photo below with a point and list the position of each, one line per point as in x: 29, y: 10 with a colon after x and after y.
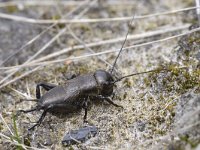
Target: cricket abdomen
x: 70, y: 97
x: 62, y: 101
x: 53, y: 96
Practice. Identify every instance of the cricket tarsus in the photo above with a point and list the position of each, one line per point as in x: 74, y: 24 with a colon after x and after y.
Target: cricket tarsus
x: 39, y: 121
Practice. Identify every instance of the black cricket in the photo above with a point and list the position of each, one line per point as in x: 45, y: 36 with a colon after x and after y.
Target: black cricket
x: 74, y: 95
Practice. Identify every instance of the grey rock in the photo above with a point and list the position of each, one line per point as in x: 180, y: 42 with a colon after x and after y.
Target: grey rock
x: 80, y: 135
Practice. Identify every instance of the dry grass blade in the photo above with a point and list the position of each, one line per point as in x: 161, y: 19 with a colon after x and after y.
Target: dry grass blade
x: 86, y: 56
x: 21, y: 76
x: 63, y: 21
x: 100, y: 53
x: 41, y: 50
x: 26, y: 96
x: 53, y: 2
x: 8, y: 139
x: 45, y: 46
x: 39, y: 35
x: 85, y: 46
x: 111, y: 41
x: 6, y: 124
x: 14, y: 142
x: 39, y: 3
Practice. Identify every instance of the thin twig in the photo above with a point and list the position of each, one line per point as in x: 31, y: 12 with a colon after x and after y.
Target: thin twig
x: 44, y: 47
x: 27, y: 96
x: 100, y: 53
x: 21, y: 76
x: 81, y: 41
x: 27, y: 73
x: 18, y: 144
x: 111, y: 41
x: 85, y: 46
x: 55, y: 37
x: 39, y: 3
x: 6, y: 124
x: 36, y: 54
x: 53, y: 2
x: 74, y: 21
x: 39, y: 35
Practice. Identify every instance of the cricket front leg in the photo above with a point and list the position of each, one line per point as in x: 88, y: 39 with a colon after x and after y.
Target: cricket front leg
x: 108, y: 100
x: 85, y: 107
x: 27, y: 111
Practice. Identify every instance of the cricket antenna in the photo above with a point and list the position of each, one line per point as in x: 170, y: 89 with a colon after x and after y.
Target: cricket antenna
x: 145, y: 72
x: 122, y: 44
x: 134, y: 74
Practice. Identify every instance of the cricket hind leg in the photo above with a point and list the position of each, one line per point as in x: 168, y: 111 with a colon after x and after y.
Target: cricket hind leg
x: 46, y: 86
x: 39, y: 120
x: 31, y: 110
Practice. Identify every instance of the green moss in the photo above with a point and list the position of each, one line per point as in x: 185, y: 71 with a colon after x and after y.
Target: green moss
x: 11, y: 9
x: 56, y: 17
x: 84, y: 27
x: 187, y: 140
x: 146, y: 81
x: 71, y: 148
x: 161, y: 132
x: 1, y: 126
x: 128, y: 82
x: 151, y: 26
x: 27, y: 142
x: 61, y: 69
x: 170, y: 80
x: 174, y: 78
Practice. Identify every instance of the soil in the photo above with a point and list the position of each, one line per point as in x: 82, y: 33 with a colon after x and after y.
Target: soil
x: 161, y: 109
